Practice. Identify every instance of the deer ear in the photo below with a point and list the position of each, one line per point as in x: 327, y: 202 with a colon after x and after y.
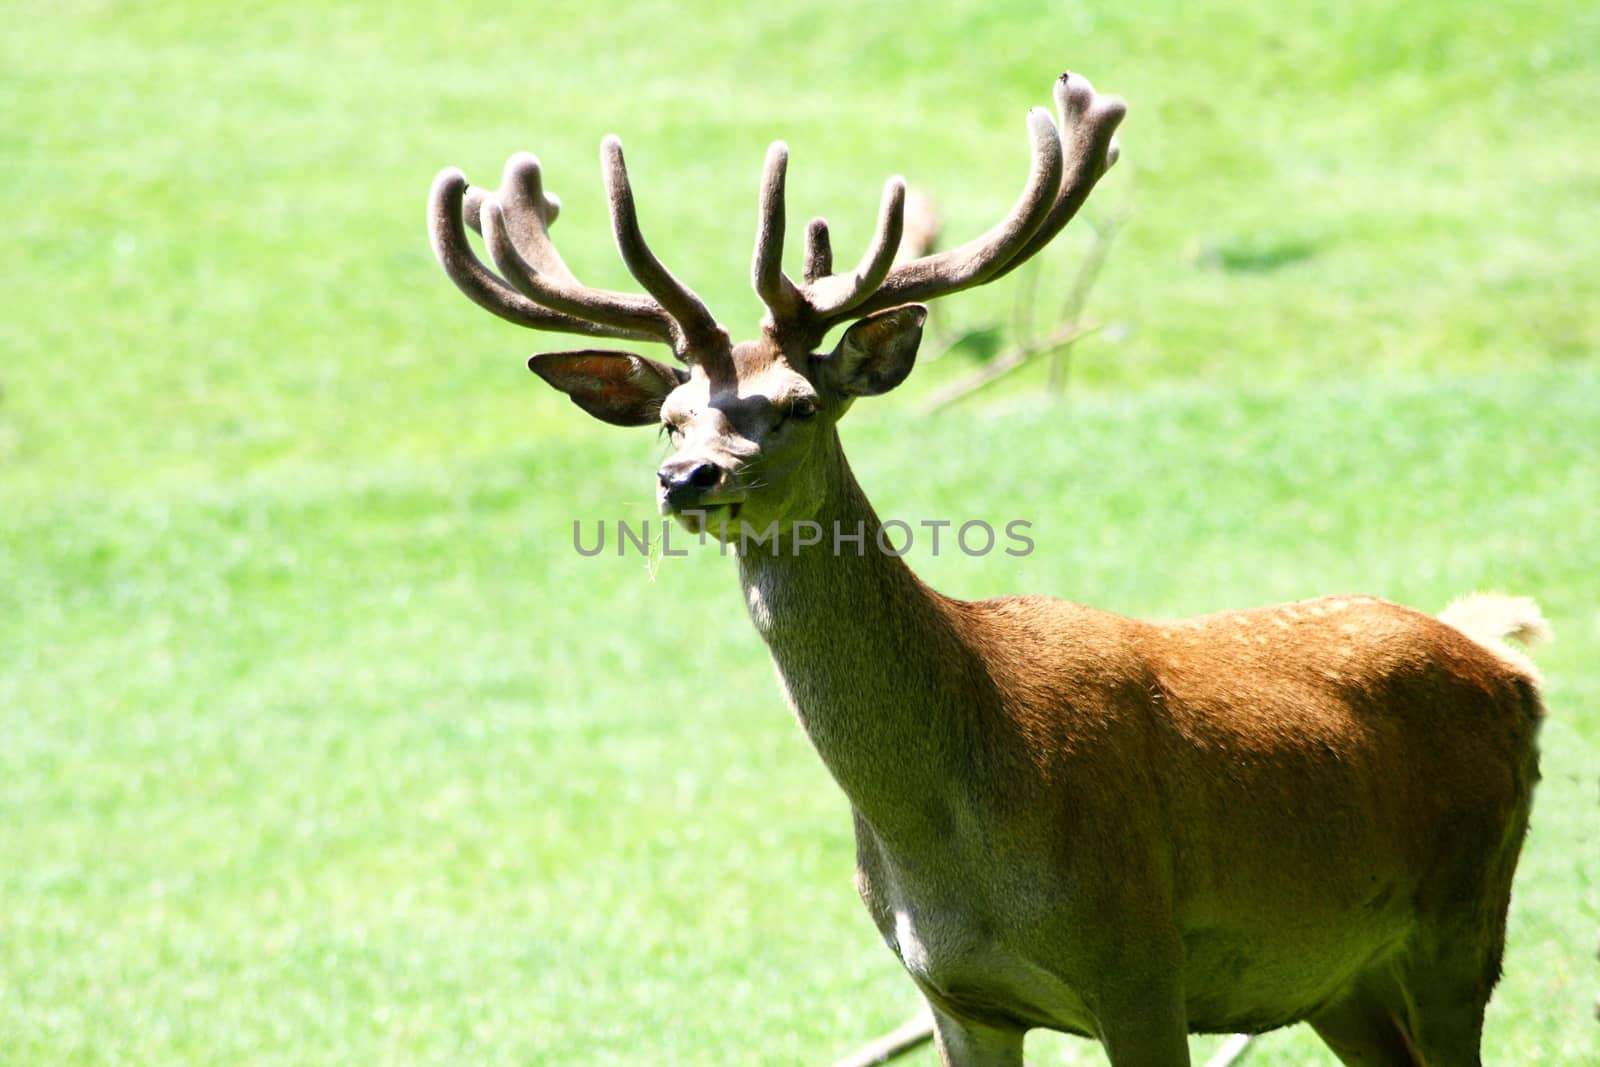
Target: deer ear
x: 616, y: 387
x: 877, y: 353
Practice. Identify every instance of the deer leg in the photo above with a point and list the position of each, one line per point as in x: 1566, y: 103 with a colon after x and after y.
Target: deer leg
x: 1151, y: 1030
x: 1448, y: 983
x: 1138, y: 994
x: 1450, y: 1028
x: 1453, y: 961
x: 1365, y: 1027
x: 966, y: 1044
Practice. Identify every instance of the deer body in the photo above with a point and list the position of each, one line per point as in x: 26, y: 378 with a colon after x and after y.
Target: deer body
x: 1046, y: 794
x: 1064, y: 818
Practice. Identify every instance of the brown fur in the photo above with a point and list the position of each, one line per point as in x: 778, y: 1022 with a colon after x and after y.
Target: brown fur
x: 1134, y: 830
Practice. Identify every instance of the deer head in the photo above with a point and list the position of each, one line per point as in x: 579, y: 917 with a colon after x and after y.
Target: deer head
x: 752, y: 424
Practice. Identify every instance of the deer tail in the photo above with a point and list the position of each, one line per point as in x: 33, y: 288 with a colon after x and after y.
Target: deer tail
x: 1493, y: 619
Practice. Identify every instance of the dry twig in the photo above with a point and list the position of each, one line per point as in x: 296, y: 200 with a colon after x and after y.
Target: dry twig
x: 896, y: 1043
x: 1055, y: 345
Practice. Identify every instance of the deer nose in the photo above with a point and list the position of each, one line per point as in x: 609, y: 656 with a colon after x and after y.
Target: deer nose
x: 680, y: 475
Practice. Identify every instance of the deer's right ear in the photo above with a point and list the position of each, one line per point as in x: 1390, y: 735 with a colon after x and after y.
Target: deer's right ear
x: 616, y: 387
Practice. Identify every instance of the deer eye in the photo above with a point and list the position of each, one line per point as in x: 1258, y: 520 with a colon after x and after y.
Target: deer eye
x: 802, y: 409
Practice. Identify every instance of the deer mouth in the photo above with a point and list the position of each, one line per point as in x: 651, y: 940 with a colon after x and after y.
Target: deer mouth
x: 704, y: 515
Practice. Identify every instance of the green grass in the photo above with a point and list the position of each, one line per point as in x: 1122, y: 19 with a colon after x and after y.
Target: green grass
x: 321, y: 745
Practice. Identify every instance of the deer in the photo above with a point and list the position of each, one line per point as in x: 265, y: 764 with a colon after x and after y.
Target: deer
x: 1065, y: 819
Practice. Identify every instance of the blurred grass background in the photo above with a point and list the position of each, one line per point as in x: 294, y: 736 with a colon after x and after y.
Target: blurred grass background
x: 319, y: 744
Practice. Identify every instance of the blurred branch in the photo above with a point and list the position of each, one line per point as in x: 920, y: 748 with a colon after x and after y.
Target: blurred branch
x: 1231, y: 1051
x: 891, y: 1045
x: 1105, y: 233
x: 1056, y: 345
x: 1008, y: 361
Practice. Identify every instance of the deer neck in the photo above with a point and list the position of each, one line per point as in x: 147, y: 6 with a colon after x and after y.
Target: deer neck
x: 872, y: 661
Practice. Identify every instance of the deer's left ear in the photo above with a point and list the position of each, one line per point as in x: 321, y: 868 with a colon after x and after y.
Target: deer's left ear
x: 875, y: 354
x: 616, y: 387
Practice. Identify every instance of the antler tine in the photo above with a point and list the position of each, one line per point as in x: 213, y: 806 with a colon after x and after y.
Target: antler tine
x: 1088, y: 131
x: 516, y: 232
x: 972, y: 263
x: 620, y: 311
x: 819, y: 250
x: 837, y: 294
x: 697, y: 327
x: 476, y: 195
x: 472, y: 207
x: 825, y: 294
x: 783, y: 300
x: 530, y: 212
x: 448, y: 236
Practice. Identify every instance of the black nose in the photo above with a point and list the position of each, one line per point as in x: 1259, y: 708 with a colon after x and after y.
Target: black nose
x: 688, y: 474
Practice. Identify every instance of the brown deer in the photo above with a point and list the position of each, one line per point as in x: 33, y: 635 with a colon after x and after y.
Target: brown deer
x: 1065, y: 819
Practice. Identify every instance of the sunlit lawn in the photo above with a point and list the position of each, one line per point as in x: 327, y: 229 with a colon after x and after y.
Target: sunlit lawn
x: 318, y: 741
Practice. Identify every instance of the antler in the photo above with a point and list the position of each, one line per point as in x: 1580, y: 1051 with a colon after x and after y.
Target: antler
x: 1066, y: 164
x: 535, y: 288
